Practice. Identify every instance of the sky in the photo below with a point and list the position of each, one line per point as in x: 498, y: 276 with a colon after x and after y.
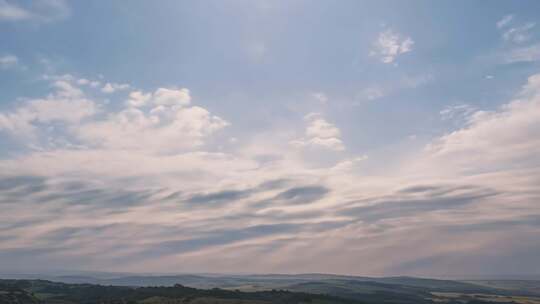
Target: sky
x: 352, y: 137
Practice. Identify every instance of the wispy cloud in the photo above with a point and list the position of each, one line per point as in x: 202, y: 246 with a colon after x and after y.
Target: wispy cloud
x: 109, y: 87
x: 8, y: 61
x: 12, y: 12
x: 458, y: 113
x: 519, y: 34
x: 511, y: 31
x: 38, y: 11
x: 505, y: 21
x: 389, y: 45
x: 523, y: 54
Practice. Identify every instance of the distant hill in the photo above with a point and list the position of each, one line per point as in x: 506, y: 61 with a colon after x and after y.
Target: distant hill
x: 267, y: 281
x: 306, y: 289
x: 363, y: 289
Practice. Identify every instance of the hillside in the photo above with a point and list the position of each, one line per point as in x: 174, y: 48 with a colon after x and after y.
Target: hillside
x: 46, y: 292
x: 259, y: 289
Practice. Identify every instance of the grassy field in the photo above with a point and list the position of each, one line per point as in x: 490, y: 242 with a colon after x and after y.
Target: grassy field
x: 531, y: 286
x: 452, y: 297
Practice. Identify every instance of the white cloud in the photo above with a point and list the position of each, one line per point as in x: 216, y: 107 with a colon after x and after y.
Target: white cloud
x: 138, y: 98
x: 507, y: 138
x: 524, y: 54
x: 514, y: 33
x: 457, y: 112
x: 320, y: 96
x: 113, y: 87
x: 168, y: 127
x: 320, y: 133
x: 318, y: 127
x: 67, y: 104
x: 348, y: 165
x: 161, y: 97
x: 164, y: 124
x: 373, y: 93
x: 83, y: 81
x: 519, y: 34
x: 505, y: 21
x: 8, y: 61
x: 163, y: 129
x: 172, y: 97
x: 39, y: 11
x: 532, y: 87
x: 389, y: 45
x: 12, y: 12
x: 66, y: 89
x: 483, y: 173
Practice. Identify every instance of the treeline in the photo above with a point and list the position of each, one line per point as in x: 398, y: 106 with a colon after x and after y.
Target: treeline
x: 29, y: 291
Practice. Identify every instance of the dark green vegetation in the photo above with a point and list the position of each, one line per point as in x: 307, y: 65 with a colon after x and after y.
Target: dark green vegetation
x: 243, y: 289
x: 46, y: 292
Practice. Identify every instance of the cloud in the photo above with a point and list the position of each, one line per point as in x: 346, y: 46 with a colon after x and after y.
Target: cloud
x: 11, y: 12
x: 216, y: 238
x: 504, y: 21
x: 220, y: 197
x: 38, y: 11
x: 320, y: 96
x: 125, y: 198
x: 373, y: 93
x: 389, y: 45
x: 496, y: 138
x: 379, y: 91
x: 8, y: 61
x: 422, y: 199
x: 171, y: 97
x: 109, y: 88
x: 302, y: 195
x: 162, y: 129
x: 348, y: 165
x: 161, y: 97
x: 169, y: 126
x: 457, y: 112
x: 514, y: 33
x: 524, y: 54
x: 66, y: 105
x: 138, y: 98
x: 519, y: 34
x: 320, y: 133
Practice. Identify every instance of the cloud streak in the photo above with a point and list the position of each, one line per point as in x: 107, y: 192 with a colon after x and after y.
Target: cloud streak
x: 389, y: 45
x: 144, y: 186
x: 40, y: 11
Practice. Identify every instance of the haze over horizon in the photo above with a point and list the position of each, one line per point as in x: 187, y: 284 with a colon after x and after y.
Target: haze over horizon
x: 57, y: 275
x: 370, y: 138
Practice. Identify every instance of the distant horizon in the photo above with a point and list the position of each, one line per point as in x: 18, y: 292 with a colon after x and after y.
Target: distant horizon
x: 96, y: 274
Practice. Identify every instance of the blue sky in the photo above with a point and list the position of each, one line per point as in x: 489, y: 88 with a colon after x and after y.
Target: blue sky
x: 192, y: 136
